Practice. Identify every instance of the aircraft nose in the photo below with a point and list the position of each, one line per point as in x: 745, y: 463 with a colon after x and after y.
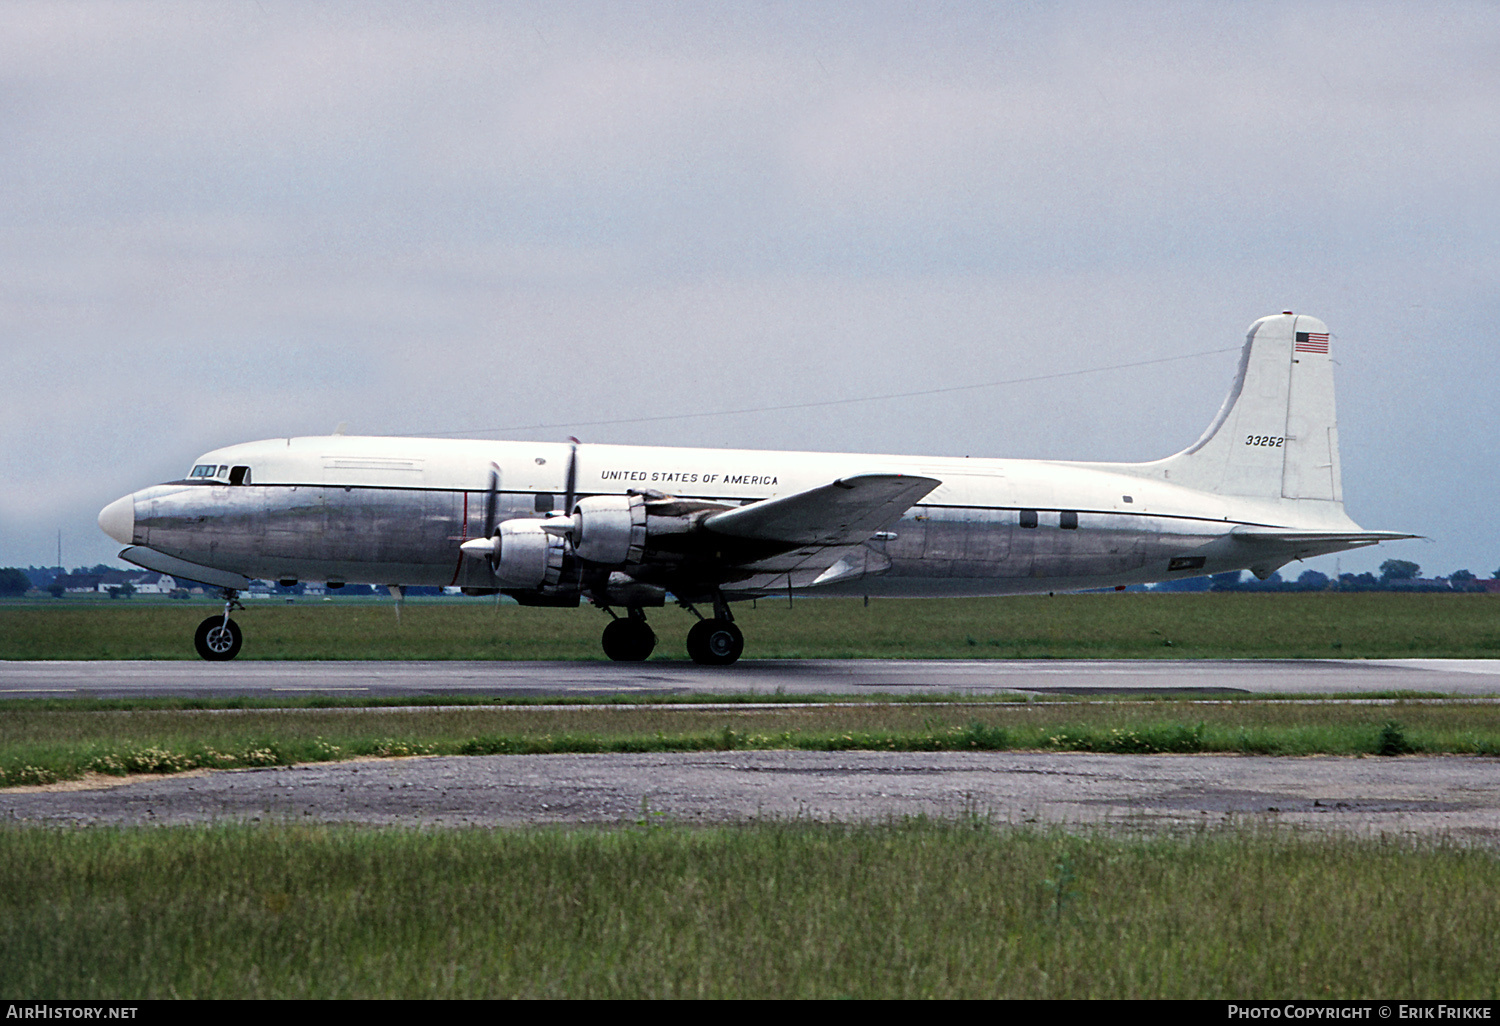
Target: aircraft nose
x: 118, y: 520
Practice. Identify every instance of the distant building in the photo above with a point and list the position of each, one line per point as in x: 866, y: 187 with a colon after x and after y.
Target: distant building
x: 76, y: 584
x: 145, y: 582
x: 1419, y: 584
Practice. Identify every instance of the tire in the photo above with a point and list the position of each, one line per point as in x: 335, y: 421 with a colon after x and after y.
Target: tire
x: 217, y: 639
x: 715, y: 642
x: 628, y: 641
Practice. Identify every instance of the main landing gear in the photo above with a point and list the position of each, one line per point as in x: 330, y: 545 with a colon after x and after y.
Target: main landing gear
x: 715, y: 642
x: 628, y: 639
x: 712, y: 641
x: 219, y: 638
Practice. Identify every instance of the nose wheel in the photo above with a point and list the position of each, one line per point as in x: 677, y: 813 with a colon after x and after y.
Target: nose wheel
x: 219, y: 638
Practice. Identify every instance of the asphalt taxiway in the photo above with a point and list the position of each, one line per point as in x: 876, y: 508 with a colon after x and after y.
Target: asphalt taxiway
x: 1457, y: 797
x: 1226, y: 678
x: 1414, y: 796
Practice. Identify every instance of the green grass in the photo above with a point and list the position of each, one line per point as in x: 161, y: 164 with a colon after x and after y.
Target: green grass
x: 41, y: 745
x: 903, y: 910
x: 1116, y: 626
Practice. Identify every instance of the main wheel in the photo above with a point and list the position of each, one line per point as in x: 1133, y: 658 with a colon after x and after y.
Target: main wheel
x: 217, y: 638
x: 628, y: 641
x: 715, y: 642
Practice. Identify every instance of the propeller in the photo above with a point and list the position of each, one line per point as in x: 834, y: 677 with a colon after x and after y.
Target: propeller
x: 486, y: 545
x: 570, y: 495
x: 492, y: 501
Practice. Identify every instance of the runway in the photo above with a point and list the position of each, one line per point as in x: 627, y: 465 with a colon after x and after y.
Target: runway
x: 1225, y: 678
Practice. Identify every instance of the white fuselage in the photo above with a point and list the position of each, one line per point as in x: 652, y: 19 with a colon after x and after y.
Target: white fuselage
x: 1260, y: 488
x: 395, y: 511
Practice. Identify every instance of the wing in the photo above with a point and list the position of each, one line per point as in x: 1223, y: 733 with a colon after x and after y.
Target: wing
x: 845, y: 512
x: 818, y: 535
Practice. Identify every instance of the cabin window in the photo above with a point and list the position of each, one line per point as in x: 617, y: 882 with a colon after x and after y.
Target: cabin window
x: 1028, y: 518
x: 545, y: 502
x: 1068, y: 520
x: 239, y: 476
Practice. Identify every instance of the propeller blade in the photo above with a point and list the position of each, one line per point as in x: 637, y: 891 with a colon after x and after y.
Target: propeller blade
x: 492, y: 501
x: 571, y: 495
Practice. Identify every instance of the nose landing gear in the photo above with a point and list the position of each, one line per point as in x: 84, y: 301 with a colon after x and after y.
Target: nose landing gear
x: 219, y: 638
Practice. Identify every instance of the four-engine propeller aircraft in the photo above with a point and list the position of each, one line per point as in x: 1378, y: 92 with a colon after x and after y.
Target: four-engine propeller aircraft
x: 625, y: 527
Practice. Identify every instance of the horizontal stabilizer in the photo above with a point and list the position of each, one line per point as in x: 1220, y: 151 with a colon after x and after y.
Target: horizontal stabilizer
x: 1344, y: 539
x: 845, y: 512
x: 1272, y: 547
x: 162, y: 563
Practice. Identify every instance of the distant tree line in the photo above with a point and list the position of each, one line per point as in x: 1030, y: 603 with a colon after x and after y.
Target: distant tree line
x: 13, y: 581
x: 1395, y: 575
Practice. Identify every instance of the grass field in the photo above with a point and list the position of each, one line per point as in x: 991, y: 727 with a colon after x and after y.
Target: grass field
x: 41, y: 744
x: 1114, y: 626
x: 908, y: 910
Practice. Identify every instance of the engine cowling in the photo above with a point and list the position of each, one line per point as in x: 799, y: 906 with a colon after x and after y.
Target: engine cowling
x: 623, y: 531
x: 521, y: 554
x: 610, y: 529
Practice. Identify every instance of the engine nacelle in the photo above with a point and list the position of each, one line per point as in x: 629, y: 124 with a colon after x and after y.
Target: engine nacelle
x: 522, y: 555
x: 610, y: 529
x: 623, y: 590
x: 624, y: 531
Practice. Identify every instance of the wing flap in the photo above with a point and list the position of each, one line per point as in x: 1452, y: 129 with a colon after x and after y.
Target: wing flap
x: 845, y: 512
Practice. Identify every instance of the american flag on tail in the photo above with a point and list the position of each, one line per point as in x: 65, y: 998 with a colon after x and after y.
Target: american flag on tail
x: 1312, y: 341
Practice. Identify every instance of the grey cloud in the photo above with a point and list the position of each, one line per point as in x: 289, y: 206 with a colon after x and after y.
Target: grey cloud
x: 233, y: 221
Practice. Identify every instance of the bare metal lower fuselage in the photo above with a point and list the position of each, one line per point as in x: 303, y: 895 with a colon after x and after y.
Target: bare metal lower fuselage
x: 411, y: 536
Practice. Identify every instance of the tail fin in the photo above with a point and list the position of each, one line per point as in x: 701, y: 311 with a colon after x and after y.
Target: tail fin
x: 1276, y: 436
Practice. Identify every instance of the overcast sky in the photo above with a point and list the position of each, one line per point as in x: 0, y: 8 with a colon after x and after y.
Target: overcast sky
x: 231, y: 221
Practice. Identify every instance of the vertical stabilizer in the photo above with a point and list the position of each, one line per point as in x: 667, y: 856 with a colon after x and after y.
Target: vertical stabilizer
x: 1276, y: 436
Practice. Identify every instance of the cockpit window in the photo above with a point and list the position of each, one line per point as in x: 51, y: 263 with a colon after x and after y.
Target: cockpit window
x: 220, y: 471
